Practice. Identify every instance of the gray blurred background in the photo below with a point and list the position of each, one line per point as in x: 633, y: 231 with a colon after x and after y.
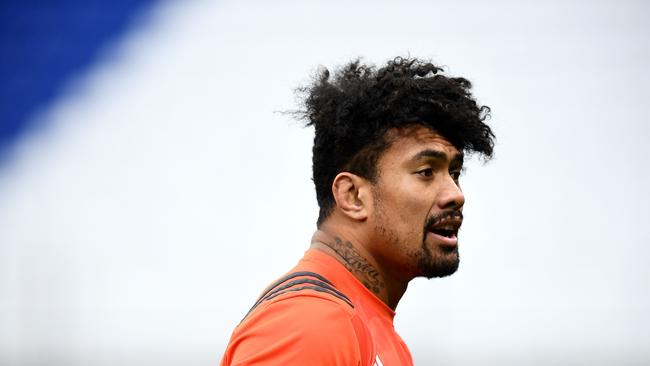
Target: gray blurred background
x: 158, y: 190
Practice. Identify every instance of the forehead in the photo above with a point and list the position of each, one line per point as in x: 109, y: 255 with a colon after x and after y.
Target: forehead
x: 406, y: 143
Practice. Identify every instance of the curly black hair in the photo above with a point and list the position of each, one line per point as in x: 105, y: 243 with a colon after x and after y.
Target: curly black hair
x: 352, y: 110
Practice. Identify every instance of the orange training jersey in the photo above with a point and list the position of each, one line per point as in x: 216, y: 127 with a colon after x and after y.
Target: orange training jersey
x: 318, y: 314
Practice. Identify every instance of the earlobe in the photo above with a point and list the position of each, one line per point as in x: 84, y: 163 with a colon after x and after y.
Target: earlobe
x: 348, y: 191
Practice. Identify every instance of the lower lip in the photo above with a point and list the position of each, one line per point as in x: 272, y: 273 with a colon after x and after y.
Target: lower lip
x: 452, y: 242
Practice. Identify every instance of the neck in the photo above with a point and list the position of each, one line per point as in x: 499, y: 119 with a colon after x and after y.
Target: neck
x: 358, y: 260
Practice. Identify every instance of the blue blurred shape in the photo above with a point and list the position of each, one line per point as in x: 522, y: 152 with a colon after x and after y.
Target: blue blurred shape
x: 44, y: 43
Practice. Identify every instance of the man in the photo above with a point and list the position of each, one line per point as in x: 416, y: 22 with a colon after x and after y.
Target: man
x: 388, y: 152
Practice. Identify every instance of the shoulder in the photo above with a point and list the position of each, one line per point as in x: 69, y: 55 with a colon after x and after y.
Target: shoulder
x: 297, y: 322
x: 307, y: 288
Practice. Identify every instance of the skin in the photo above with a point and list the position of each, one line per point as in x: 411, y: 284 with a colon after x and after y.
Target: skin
x: 380, y: 230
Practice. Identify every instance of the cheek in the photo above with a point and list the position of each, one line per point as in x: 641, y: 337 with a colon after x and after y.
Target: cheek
x: 408, y: 207
x: 413, y: 196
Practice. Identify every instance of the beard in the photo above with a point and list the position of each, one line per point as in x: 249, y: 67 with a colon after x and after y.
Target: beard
x: 445, y: 260
x: 441, y: 264
x: 426, y: 262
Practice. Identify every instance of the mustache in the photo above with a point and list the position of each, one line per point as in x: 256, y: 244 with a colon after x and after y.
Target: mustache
x: 434, y: 219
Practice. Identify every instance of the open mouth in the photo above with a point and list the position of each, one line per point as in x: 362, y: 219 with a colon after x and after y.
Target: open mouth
x: 445, y: 230
x: 448, y: 233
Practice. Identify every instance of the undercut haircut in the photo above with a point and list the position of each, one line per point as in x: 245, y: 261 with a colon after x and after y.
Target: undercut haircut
x: 353, y: 108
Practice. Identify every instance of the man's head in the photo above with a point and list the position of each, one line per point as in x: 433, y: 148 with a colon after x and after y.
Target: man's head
x: 395, y: 137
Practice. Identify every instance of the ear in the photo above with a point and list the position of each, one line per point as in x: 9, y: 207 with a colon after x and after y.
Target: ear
x: 352, y: 195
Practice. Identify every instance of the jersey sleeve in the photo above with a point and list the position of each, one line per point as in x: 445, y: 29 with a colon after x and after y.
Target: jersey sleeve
x: 297, y: 330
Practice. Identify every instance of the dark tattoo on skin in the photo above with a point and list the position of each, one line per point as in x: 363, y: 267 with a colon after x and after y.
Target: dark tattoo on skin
x: 355, y: 263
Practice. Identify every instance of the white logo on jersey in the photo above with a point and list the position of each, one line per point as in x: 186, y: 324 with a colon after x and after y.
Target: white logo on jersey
x: 377, y: 362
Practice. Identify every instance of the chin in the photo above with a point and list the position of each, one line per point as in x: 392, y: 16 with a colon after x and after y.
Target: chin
x: 441, y: 265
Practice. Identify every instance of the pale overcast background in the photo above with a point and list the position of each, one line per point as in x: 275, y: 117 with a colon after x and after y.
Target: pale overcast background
x: 164, y: 191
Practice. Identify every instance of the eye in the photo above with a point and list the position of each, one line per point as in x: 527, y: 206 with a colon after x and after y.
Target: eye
x: 428, y: 172
x: 455, y: 174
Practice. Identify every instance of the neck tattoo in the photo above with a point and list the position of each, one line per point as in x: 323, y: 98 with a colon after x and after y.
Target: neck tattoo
x: 357, y: 264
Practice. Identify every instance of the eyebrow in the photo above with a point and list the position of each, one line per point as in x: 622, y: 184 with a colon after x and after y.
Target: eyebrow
x: 439, y: 155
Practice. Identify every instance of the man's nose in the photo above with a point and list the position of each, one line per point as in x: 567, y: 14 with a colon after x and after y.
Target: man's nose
x: 451, y: 196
